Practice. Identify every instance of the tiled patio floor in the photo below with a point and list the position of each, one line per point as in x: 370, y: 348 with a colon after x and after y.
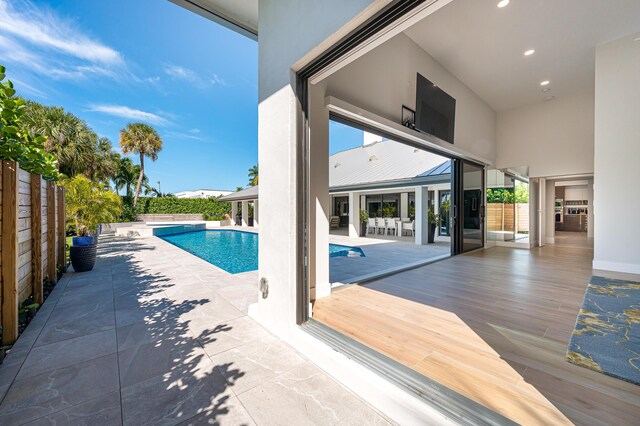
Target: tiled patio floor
x: 381, y: 254
x: 154, y: 335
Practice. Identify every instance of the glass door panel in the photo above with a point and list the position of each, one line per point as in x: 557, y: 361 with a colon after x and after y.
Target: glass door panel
x: 472, y: 206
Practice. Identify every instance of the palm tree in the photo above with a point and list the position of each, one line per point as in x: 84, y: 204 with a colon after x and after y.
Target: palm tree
x: 69, y: 139
x: 253, y: 176
x: 104, y: 163
x: 142, y: 139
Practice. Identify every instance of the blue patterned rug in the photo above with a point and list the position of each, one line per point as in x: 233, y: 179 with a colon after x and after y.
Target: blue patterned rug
x: 606, y: 337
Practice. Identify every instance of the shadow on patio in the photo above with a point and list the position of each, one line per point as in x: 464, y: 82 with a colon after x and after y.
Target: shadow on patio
x: 115, y: 346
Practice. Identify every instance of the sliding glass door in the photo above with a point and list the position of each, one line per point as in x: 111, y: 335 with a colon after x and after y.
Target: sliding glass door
x: 468, y: 211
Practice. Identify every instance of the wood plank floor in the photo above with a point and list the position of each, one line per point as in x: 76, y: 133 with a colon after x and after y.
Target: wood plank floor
x: 494, y: 326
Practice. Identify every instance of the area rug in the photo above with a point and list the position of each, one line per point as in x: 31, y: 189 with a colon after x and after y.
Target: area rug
x: 606, y: 337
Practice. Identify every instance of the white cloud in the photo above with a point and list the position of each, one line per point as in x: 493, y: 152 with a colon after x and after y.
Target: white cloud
x: 37, y: 40
x: 43, y: 28
x: 194, y: 131
x: 181, y: 73
x: 181, y: 135
x: 216, y: 79
x: 129, y: 113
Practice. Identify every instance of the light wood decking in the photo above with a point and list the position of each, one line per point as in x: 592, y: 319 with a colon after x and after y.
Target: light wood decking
x: 494, y: 326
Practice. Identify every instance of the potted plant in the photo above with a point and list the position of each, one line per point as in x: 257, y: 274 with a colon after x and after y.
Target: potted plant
x: 364, y: 218
x: 88, y: 205
x: 434, y: 220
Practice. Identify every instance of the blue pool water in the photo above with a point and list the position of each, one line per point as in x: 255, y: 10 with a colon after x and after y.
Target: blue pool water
x: 235, y: 251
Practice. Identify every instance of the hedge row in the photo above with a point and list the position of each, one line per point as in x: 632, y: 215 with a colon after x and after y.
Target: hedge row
x: 210, y: 208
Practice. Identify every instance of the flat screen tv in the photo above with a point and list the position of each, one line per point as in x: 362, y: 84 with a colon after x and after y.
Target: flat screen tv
x: 435, y: 110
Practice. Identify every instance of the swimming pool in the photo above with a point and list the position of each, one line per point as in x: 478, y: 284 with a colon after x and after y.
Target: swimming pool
x: 235, y: 251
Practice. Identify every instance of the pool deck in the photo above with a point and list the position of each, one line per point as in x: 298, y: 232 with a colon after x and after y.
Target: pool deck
x: 156, y: 335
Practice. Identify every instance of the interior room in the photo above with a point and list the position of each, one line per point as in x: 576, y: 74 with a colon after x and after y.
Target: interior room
x: 522, y: 130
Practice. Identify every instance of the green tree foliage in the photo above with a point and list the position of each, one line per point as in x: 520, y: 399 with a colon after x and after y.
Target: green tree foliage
x: 68, y: 138
x: 144, y: 140
x: 253, y: 175
x: 211, y: 208
x: 16, y: 142
x: 508, y: 195
x: 89, y: 204
x: 127, y: 175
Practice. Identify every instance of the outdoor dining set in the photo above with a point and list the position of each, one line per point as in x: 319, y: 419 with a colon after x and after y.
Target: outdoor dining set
x: 391, y: 226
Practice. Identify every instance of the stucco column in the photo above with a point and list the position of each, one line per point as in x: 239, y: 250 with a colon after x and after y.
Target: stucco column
x: 354, y: 215
x: 255, y: 213
x: 234, y: 211
x: 404, y: 205
x: 245, y: 213
x: 422, y: 208
x: 319, y: 198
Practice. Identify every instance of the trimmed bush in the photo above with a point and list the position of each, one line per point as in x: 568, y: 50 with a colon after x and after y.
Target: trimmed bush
x: 210, y: 208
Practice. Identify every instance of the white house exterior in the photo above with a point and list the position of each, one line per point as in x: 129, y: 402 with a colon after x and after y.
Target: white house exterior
x: 588, y: 55
x: 202, y: 193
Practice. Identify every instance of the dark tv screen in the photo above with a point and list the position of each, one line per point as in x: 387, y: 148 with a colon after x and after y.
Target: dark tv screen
x: 435, y: 110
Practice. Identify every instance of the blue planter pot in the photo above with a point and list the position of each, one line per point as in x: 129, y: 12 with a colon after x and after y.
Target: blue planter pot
x: 82, y: 241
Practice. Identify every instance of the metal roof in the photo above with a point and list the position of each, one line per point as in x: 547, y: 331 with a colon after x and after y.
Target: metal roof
x: 380, y: 162
x: 442, y: 169
x: 250, y: 193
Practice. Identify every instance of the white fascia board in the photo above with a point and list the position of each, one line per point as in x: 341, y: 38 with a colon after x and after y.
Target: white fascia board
x: 219, y: 17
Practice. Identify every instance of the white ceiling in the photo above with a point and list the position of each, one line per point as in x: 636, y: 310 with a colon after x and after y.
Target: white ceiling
x: 483, y: 45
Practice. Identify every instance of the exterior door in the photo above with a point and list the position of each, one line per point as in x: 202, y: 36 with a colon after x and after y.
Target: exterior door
x: 469, y: 206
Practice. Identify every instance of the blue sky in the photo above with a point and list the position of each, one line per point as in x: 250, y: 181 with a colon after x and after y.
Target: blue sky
x: 116, y: 61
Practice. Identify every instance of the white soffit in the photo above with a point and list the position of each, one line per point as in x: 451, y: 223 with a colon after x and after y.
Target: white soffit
x: 238, y: 15
x: 483, y: 45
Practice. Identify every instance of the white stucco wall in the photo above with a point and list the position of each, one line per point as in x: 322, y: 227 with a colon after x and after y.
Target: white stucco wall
x: 617, y: 156
x: 552, y: 138
x: 385, y: 79
x: 289, y: 30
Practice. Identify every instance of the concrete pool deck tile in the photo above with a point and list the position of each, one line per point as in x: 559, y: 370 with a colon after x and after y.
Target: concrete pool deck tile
x: 49, y: 357
x: 227, y: 335
x: 176, y: 396
x: 202, y: 310
x: 304, y: 396
x: 230, y: 413
x: 67, y: 322
x: 142, y: 362
x: 149, y: 312
x: 59, y: 389
x: 140, y: 333
x: 164, y: 344
x: 260, y: 360
x: 102, y: 410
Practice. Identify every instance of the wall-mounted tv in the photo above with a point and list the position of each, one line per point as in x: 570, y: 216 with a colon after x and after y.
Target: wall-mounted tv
x: 435, y: 110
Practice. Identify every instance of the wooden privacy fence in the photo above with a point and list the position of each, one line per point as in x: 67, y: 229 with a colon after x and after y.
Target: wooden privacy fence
x: 32, y: 240
x: 500, y: 217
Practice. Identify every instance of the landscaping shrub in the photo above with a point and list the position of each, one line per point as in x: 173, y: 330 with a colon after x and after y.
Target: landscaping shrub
x: 210, y: 208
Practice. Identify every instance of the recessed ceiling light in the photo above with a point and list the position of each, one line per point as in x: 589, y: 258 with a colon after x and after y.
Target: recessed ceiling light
x: 546, y: 89
x: 529, y: 52
x: 503, y: 3
x: 544, y: 83
x: 636, y: 39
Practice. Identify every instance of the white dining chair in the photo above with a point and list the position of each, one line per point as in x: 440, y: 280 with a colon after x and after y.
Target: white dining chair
x: 380, y: 225
x: 391, y: 226
x: 371, y: 225
x: 409, y: 227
